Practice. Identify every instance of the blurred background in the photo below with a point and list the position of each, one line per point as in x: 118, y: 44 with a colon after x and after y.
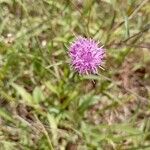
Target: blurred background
x: 45, y: 105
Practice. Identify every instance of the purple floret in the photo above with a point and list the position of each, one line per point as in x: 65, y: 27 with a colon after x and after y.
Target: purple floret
x: 86, y: 55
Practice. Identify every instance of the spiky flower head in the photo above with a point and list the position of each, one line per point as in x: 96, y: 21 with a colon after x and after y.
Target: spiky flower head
x: 86, y: 55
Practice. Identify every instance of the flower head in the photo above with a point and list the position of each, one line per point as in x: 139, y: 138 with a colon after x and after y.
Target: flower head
x: 86, y: 55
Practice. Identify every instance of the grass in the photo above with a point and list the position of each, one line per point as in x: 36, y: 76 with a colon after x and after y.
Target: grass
x: 45, y: 105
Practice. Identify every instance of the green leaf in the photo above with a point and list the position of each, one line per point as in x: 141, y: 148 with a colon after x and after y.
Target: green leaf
x: 53, y: 126
x: 38, y: 95
x: 52, y: 88
x: 87, y: 4
x: 23, y: 93
x: 4, y: 114
x: 127, y: 32
x: 86, y: 102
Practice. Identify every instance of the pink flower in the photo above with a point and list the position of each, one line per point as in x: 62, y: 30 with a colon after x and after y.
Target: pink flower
x: 86, y: 55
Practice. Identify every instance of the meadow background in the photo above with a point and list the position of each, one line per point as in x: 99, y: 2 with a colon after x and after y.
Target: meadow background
x: 45, y: 105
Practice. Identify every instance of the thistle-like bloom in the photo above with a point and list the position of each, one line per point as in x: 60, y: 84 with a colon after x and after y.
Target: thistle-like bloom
x: 86, y: 55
